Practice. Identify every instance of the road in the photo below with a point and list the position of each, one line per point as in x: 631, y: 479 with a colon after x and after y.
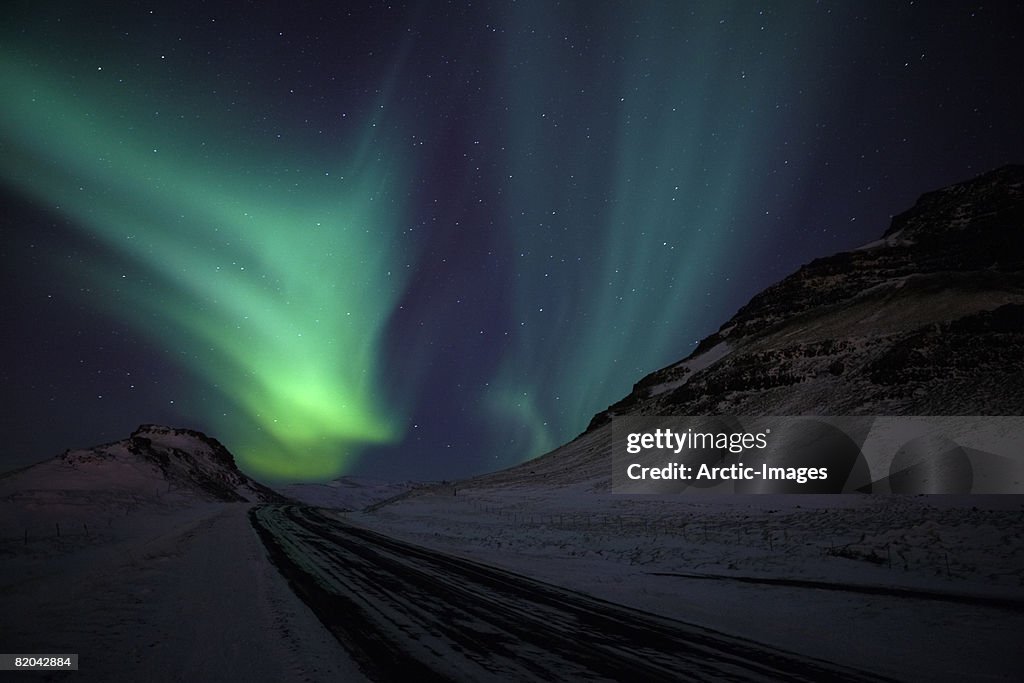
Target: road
x: 409, y: 613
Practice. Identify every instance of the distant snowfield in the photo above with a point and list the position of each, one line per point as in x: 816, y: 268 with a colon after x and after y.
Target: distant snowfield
x: 919, y: 588
x: 350, y: 493
x: 156, y: 592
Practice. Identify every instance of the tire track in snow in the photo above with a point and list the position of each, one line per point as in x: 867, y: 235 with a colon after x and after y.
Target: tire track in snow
x: 403, y: 610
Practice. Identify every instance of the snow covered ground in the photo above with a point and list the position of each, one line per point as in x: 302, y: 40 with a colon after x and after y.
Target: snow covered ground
x: 150, y: 590
x: 919, y: 588
x: 350, y: 493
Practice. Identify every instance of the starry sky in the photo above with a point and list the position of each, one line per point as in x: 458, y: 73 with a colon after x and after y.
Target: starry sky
x: 431, y: 239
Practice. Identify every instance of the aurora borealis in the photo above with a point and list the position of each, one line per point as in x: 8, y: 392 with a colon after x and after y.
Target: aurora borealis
x: 429, y: 240
x: 261, y: 284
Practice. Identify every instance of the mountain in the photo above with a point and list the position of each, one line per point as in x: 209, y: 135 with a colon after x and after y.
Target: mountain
x: 154, y: 463
x: 927, y: 320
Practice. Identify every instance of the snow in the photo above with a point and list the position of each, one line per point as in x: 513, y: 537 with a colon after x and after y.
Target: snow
x: 347, y: 493
x: 156, y: 463
x: 894, y: 240
x: 163, y: 594
x: 811, y: 574
x: 692, y: 366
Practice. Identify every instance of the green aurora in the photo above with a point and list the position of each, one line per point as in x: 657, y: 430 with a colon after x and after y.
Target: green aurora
x: 274, y: 286
x: 634, y: 180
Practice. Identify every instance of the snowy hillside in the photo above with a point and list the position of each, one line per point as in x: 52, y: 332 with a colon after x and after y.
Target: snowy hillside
x: 155, y: 468
x: 154, y: 462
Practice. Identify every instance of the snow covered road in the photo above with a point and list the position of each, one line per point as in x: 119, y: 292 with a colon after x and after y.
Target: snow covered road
x: 404, y: 611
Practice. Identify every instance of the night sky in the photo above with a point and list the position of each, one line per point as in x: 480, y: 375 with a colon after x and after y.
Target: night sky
x: 428, y: 240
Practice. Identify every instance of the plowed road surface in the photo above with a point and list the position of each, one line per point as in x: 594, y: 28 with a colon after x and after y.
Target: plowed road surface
x: 408, y: 613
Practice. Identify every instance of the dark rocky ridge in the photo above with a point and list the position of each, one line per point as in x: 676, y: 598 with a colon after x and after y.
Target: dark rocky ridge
x: 928, y: 320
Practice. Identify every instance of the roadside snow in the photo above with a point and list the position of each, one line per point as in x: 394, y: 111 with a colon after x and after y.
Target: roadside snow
x: 160, y: 593
x: 928, y: 588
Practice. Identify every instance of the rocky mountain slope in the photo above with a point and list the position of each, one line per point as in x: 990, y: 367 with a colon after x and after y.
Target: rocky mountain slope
x: 928, y: 320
